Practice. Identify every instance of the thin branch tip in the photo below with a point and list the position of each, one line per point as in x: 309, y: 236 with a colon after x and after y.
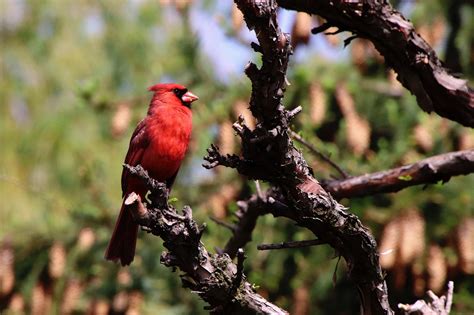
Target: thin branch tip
x: 294, y: 244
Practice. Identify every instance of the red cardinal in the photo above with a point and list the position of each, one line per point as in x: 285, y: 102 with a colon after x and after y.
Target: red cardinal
x: 158, y: 144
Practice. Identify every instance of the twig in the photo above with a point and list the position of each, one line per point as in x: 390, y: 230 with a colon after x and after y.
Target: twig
x: 222, y: 223
x: 295, y: 111
x: 431, y: 170
x: 348, y: 40
x: 293, y: 244
x: 315, y: 151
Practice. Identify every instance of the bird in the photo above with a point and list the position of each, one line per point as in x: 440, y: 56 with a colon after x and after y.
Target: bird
x: 159, y: 144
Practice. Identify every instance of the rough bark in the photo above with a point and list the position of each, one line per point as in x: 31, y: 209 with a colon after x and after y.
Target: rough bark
x: 428, y: 171
x: 431, y: 170
x: 268, y: 154
x: 417, y: 65
x: 215, y: 278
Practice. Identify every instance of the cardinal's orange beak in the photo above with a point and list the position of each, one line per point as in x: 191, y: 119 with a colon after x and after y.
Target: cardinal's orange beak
x: 189, y: 97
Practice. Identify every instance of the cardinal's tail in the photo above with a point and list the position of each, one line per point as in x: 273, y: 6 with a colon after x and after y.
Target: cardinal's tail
x: 124, y: 239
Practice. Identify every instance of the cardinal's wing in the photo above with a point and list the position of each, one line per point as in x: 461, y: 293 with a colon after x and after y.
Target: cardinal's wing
x: 138, y: 144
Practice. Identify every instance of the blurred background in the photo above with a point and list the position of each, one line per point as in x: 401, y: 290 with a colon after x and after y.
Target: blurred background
x: 73, y: 86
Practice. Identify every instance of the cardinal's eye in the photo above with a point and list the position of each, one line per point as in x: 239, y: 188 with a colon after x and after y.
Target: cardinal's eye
x: 179, y: 92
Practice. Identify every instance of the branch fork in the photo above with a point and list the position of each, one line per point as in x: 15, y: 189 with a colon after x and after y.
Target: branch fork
x: 274, y: 158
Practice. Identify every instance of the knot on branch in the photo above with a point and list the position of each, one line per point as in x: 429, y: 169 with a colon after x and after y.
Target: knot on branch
x: 251, y: 70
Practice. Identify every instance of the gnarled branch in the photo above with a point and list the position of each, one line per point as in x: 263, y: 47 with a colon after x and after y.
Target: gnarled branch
x: 431, y: 170
x: 215, y: 278
x: 269, y: 154
x: 417, y: 65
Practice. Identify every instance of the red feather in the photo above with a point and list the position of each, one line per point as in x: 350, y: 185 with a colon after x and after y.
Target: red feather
x: 158, y: 144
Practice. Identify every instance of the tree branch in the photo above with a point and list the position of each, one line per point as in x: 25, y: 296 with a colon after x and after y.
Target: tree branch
x: 431, y: 170
x: 214, y: 278
x: 316, y: 152
x: 293, y: 244
x: 417, y: 65
x: 269, y: 154
x: 247, y: 215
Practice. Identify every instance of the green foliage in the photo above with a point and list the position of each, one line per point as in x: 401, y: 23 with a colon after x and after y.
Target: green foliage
x: 67, y: 66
